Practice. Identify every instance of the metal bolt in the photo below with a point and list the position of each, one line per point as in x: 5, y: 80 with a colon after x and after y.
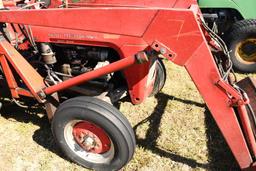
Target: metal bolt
x: 89, y: 143
x: 41, y: 94
x: 162, y: 51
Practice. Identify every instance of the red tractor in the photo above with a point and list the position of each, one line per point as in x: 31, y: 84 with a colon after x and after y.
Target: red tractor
x: 79, y: 59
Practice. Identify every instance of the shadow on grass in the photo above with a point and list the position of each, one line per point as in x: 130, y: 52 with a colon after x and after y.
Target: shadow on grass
x: 220, y: 157
x: 219, y: 154
x: 42, y: 136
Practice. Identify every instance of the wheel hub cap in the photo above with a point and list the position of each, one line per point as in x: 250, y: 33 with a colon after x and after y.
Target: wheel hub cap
x: 91, y: 137
x: 246, y: 50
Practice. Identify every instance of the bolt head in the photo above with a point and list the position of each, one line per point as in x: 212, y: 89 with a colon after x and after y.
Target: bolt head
x: 162, y: 51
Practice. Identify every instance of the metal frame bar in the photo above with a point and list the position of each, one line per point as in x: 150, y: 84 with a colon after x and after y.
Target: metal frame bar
x: 9, y: 77
x: 116, y: 66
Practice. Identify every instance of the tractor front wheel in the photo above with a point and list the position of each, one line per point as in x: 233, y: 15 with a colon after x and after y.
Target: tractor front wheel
x: 160, y: 77
x: 93, y: 133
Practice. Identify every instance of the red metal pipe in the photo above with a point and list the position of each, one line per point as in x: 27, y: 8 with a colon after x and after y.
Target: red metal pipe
x: 116, y: 66
x: 247, y: 128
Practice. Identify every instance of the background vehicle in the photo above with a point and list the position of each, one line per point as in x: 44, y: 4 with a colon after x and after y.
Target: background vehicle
x: 236, y: 23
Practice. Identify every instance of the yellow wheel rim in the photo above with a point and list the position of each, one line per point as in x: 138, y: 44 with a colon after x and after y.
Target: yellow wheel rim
x: 246, y: 51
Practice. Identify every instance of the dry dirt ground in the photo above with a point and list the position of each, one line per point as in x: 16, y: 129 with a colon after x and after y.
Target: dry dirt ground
x: 174, y: 131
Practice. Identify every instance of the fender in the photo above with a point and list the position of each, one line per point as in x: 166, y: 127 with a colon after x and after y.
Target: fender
x: 245, y: 7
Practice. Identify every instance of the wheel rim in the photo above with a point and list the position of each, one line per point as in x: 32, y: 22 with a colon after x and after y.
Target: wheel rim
x: 89, y: 141
x: 246, y: 51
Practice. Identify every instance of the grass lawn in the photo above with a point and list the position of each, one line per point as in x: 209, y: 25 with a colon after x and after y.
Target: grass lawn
x: 174, y: 131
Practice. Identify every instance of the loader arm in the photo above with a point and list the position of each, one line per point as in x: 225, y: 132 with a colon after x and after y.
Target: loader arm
x: 176, y: 33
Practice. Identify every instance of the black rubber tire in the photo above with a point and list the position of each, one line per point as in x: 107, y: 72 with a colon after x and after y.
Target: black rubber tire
x: 103, y: 115
x: 239, y: 32
x: 160, y: 77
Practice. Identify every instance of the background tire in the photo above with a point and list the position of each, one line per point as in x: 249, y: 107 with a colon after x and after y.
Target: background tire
x: 241, y: 40
x: 160, y: 77
x: 83, y: 110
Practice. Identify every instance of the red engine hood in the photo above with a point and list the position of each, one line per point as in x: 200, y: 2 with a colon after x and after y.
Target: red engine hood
x: 139, y: 3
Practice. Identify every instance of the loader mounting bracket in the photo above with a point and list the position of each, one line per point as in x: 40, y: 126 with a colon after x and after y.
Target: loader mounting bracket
x: 236, y: 99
